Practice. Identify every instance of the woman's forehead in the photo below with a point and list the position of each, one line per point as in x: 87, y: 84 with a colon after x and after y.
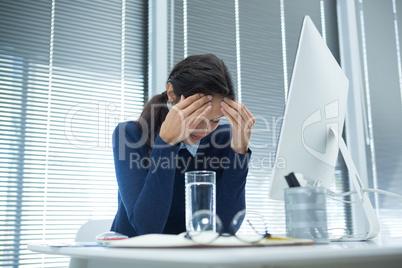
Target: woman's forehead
x: 216, y: 108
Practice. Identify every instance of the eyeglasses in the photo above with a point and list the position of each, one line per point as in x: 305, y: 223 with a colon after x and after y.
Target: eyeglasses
x: 246, y: 226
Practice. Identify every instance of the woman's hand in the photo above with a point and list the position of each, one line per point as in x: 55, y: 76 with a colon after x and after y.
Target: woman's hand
x: 242, y: 121
x: 184, y: 117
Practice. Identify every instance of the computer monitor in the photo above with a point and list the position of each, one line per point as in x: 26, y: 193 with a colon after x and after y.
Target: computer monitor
x: 317, y: 100
x: 311, y: 133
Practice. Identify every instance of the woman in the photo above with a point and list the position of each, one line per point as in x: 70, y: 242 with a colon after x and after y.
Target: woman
x: 152, y: 154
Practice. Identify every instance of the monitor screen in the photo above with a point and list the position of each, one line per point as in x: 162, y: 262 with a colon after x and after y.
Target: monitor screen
x: 316, y: 102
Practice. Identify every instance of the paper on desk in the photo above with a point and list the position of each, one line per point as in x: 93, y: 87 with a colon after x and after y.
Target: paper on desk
x: 179, y: 241
x: 73, y: 244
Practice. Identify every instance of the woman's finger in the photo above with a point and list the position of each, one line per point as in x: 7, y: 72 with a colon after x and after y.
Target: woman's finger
x: 240, y: 108
x: 197, y: 105
x: 251, y: 119
x: 198, y: 112
x: 186, y: 102
x: 196, y: 119
x: 192, y: 103
x: 234, y: 104
x: 229, y: 111
x: 245, y: 109
x: 244, y: 112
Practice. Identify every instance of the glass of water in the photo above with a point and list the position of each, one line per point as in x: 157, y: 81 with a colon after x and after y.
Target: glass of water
x: 200, y: 196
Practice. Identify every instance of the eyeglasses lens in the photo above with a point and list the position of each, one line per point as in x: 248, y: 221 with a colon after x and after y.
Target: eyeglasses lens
x: 249, y: 226
x: 207, y: 227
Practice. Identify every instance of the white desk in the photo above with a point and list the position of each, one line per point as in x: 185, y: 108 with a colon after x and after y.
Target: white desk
x: 374, y: 253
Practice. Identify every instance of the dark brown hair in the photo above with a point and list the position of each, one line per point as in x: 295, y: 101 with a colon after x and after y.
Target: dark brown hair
x: 195, y: 74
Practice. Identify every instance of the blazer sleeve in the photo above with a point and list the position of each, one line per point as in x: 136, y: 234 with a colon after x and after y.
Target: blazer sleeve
x: 231, y: 197
x: 145, y: 183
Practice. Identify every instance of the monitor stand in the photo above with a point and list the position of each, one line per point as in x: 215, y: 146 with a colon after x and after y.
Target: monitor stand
x: 373, y: 223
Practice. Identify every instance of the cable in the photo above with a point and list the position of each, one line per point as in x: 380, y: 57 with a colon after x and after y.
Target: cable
x: 346, y: 201
x: 383, y: 192
x: 332, y: 194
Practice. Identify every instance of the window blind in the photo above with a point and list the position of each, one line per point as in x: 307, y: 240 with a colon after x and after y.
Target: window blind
x: 257, y: 39
x: 380, y: 25
x: 69, y: 72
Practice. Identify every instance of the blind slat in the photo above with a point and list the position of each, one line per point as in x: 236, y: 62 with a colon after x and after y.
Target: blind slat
x: 261, y: 62
x: 50, y: 184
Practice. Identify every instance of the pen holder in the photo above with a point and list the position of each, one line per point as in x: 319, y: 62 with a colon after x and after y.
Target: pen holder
x: 306, y: 213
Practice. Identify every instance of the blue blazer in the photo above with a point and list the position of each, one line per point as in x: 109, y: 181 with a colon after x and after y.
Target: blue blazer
x: 151, y: 196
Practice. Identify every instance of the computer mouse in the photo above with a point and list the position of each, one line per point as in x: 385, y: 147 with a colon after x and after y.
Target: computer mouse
x: 106, y: 237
